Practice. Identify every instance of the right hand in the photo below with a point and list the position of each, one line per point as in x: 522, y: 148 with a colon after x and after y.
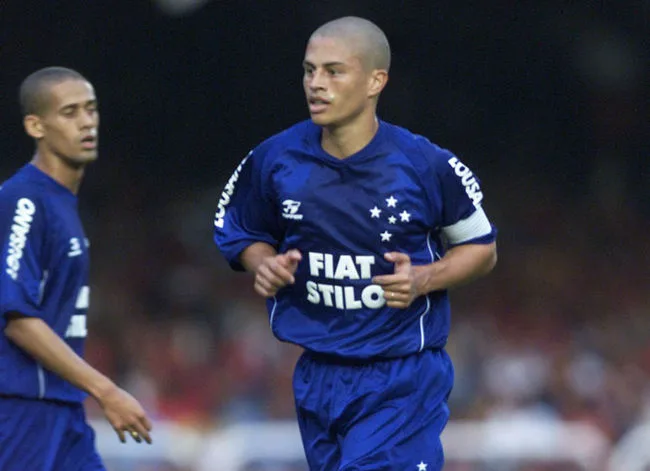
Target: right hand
x: 126, y: 415
x: 276, y: 272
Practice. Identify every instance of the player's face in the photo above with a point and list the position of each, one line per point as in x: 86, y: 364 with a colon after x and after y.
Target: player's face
x: 68, y: 127
x: 337, y: 87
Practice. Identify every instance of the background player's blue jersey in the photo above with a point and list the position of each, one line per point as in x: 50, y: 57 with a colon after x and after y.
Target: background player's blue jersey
x: 44, y: 273
x: 400, y: 193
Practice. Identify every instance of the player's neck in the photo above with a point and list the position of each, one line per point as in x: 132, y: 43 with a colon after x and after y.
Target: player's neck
x: 62, y: 172
x: 343, y: 141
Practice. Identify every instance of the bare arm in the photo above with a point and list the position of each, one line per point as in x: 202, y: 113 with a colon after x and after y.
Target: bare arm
x: 253, y: 255
x: 460, y: 265
x: 37, y: 339
x: 273, y: 271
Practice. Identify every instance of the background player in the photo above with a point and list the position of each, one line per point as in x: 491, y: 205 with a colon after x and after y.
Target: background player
x: 44, y: 291
x: 354, y: 229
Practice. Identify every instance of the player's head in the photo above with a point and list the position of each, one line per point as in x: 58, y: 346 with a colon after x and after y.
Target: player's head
x: 345, y: 69
x: 60, y: 112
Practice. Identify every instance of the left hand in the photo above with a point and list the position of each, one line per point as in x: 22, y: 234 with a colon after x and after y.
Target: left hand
x: 400, y: 288
x: 125, y: 414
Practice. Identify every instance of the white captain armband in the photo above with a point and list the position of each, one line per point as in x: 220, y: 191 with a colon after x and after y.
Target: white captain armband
x: 472, y: 227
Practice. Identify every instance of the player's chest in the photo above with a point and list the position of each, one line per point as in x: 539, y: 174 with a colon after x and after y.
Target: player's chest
x: 362, y: 202
x: 67, y: 244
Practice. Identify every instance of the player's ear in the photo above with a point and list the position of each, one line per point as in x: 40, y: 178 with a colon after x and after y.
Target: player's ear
x: 377, y: 81
x: 33, y: 126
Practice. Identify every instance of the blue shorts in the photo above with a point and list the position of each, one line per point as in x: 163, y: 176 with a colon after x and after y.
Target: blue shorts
x: 45, y: 436
x: 379, y: 415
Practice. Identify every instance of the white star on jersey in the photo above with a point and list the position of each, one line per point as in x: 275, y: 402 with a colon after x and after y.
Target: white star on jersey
x: 385, y: 236
x: 391, y: 201
x: 375, y: 212
x: 405, y: 216
x: 392, y: 220
x: 422, y: 466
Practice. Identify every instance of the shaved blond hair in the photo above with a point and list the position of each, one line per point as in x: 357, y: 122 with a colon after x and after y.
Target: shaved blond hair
x: 365, y: 37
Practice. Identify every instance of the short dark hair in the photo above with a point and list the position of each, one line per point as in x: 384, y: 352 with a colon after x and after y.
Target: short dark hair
x: 33, y: 96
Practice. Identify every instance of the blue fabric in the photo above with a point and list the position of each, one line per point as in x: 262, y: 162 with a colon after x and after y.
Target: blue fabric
x: 396, y: 194
x: 44, y: 269
x: 383, y: 415
x: 45, y: 436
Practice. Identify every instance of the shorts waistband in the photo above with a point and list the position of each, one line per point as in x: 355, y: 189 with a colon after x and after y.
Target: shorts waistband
x: 354, y: 361
x: 35, y: 399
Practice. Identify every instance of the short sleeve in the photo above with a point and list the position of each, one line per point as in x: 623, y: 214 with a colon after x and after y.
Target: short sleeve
x: 459, y: 197
x: 246, y: 212
x: 22, y: 224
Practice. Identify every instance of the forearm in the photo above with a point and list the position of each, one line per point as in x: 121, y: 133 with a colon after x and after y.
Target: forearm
x: 37, y: 339
x: 253, y: 255
x: 460, y: 265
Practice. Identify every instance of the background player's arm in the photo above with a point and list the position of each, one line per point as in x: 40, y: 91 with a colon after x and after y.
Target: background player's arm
x: 37, y: 339
x: 272, y: 270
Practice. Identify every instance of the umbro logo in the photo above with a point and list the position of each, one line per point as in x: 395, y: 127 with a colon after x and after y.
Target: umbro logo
x: 75, y: 247
x: 290, y: 210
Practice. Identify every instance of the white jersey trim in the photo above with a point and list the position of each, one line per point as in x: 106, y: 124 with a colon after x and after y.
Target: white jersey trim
x: 428, y: 306
x: 476, y: 225
x: 41, y: 381
x: 41, y: 286
x: 272, y: 316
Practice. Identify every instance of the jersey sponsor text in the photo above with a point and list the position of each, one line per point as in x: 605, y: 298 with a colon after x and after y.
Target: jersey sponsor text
x: 343, y: 267
x: 77, y: 327
x: 226, y: 194
x: 22, y: 223
x: 468, y: 180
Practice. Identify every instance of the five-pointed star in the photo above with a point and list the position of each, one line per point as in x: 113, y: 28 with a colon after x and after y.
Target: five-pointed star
x: 385, y: 236
x: 375, y: 212
x: 392, y: 220
x: 422, y: 466
x: 405, y: 216
x: 391, y: 201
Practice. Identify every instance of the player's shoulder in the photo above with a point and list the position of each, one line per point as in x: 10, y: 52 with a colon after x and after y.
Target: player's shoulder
x: 294, y: 136
x: 22, y: 190
x: 418, y: 148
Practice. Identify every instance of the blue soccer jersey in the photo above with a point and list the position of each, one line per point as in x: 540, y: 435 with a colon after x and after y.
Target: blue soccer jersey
x: 400, y: 193
x: 44, y: 273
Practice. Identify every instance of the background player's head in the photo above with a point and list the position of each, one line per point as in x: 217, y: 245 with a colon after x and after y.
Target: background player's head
x: 345, y: 69
x: 59, y: 110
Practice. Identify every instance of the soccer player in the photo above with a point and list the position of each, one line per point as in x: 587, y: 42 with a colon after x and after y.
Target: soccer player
x: 44, y: 291
x: 355, y: 229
